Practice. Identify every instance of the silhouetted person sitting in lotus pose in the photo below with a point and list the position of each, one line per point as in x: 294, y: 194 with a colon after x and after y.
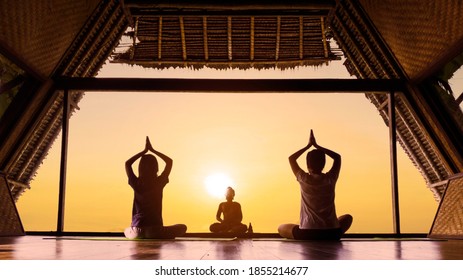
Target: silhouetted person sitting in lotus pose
x: 147, y: 203
x: 318, y: 218
x: 232, y: 216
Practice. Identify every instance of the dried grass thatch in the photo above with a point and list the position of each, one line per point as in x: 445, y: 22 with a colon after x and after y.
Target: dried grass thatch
x: 222, y: 42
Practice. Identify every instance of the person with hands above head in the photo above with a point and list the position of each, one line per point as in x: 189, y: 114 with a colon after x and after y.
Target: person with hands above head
x: 148, y: 191
x: 232, y: 215
x: 318, y: 219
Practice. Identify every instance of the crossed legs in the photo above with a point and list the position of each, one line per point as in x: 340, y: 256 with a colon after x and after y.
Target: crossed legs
x: 292, y: 231
x: 164, y: 232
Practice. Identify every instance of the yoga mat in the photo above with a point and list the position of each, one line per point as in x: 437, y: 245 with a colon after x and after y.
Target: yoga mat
x: 145, y: 239
x: 348, y: 239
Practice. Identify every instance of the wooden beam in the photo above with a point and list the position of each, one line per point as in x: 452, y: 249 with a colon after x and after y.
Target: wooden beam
x: 378, y: 40
x: 325, y: 46
x: 231, y: 85
x: 159, y: 39
x: 95, y: 62
x: 229, y: 38
x: 419, y: 143
x: 393, y: 158
x: 182, y: 34
x: 313, y: 8
x: 277, y: 47
x: 459, y: 99
x: 301, y: 37
x: 17, y: 59
x: 231, y: 13
x: 134, y: 39
x: 224, y: 62
x: 21, y: 119
x: 35, y: 149
x: 16, y: 81
x: 86, y: 42
x: 14, y: 183
x: 206, y: 47
x: 251, y: 39
x: 355, y: 25
x: 360, y: 71
x: 356, y: 46
x: 438, y: 184
x: 63, y: 163
x: 258, y: 5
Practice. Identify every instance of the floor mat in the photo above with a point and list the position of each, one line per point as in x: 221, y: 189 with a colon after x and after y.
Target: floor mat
x: 349, y: 239
x: 147, y: 239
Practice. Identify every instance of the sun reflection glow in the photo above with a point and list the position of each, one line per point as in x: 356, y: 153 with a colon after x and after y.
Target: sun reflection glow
x: 217, y: 183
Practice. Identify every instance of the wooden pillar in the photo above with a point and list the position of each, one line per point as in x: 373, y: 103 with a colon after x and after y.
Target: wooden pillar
x: 63, y: 163
x: 393, y: 156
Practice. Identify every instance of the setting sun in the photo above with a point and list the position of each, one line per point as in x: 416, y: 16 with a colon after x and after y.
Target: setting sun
x: 217, y: 183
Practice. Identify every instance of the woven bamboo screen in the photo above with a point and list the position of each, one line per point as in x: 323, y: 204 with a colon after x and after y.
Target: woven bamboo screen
x: 10, y: 223
x: 429, y: 26
x: 40, y: 32
x: 448, y: 222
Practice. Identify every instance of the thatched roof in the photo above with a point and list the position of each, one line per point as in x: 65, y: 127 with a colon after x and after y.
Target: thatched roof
x: 218, y: 36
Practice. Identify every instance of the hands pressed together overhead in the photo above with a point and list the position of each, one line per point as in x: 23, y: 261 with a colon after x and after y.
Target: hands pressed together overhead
x: 312, y: 141
x: 148, y: 146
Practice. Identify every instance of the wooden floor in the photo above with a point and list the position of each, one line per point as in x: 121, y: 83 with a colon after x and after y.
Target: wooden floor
x: 190, y: 248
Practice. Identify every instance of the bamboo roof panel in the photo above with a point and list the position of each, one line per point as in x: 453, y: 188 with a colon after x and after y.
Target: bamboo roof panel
x: 432, y: 27
x: 227, y: 42
x: 30, y: 29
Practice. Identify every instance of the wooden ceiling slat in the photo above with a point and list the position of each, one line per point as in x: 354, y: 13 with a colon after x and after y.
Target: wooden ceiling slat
x: 135, y: 36
x: 262, y: 5
x: 229, y: 38
x: 252, y: 39
x: 277, y: 47
x: 159, y: 39
x: 355, y: 45
x: 182, y: 32
x: 325, y: 41
x: 301, y: 37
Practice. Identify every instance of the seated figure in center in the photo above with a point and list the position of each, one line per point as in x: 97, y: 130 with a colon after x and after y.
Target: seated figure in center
x: 232, y: 216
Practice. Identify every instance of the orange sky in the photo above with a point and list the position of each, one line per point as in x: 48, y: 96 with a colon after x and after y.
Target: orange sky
x: 245, y: 136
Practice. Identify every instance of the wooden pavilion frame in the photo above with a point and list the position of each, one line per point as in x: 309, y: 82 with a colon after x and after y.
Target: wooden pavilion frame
x: 391, y: 87
x: 380, y: 56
